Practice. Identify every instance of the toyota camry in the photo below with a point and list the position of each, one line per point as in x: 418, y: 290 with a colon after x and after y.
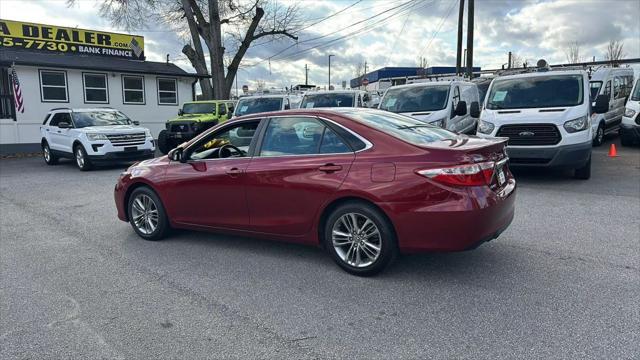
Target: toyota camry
x: 363, y: 184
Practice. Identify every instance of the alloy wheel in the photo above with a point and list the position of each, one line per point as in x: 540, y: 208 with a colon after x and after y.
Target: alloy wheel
x: 356, y: 239
x: 600, y: 135
x: 47, y: 154
x: 79, y: 157
x: 144, y: 213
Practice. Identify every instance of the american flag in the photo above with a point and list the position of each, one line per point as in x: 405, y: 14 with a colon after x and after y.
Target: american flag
x: 17, y: 92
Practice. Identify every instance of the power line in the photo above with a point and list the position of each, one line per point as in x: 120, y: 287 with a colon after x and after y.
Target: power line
x: 444, y: 19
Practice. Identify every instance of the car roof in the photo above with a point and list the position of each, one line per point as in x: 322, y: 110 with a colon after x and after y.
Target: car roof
x: 270, y: 96
x: 346, y: 91
x: 310, y: 112
x: 62, y: 109
x: 543, y: 73
x: 603, y: 73
x: 206, y: 101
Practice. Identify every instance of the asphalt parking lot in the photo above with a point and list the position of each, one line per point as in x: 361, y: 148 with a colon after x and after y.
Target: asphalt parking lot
x: 562, y: 282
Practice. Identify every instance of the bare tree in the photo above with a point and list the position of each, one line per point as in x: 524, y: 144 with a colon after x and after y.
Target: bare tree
x: 572, y: 53
x: 243, y: 22
x: 615, y: 51
x: 359, y: 70
x: 517, y: 61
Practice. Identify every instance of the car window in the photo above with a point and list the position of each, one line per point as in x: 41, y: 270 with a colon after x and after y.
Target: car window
x: 536, y: 92
x: 239, y: 135
x: 60, y: 117
x: 456, y: 96
x: 415, y: 98
x: 292, y: 136
x: 607, y: 89
x: 328, y: 100
x: 332, y: 144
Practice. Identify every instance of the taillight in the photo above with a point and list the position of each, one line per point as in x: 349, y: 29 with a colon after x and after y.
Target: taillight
x: 462, y: 175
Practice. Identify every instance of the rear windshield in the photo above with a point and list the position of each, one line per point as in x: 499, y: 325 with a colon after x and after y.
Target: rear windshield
x: 204, y: 108
x: 327, y: 100
x: 402, y: 127
x: 413, y: 99
x: 248, y: 106
x: 636, y: 91
x: 536, y: 92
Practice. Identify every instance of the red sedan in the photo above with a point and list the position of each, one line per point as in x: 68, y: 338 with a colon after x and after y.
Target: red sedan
x: 364, y: 184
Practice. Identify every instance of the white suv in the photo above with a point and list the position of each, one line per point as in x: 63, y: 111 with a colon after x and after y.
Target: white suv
x: 93, y: 135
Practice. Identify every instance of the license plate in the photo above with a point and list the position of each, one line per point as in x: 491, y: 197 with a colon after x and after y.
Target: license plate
x: 131, y: 148
x: 501, y: 178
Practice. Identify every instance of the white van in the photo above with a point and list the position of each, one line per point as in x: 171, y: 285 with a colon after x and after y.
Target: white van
x: 453, y: 105
x: 545, y: 115
x: 335, y: 98
x: 615, y: 84
x: 630, y: 126
x: 262, y: 103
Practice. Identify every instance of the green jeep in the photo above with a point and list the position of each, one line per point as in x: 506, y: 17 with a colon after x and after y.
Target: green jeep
x: 194, y: 118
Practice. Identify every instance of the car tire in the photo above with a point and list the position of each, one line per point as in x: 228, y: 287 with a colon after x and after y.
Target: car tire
x: 164, y: 143
x: 349, y: 245
x: 599, y: 139
x: 48, y: 156
x: 82, y: 160
x: 142, y: 204
x: 625, y: 140
x: 583, y: 173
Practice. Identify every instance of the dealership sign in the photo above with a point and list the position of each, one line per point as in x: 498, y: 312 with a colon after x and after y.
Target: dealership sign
x: 47, y: 38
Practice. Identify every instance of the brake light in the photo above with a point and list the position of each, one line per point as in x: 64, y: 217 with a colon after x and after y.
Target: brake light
x: 462, y: 175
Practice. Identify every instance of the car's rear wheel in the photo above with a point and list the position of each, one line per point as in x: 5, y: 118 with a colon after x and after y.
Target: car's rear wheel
x: 48, y: 156
x: 82, y: 160
x: 360, y: 239
x: 147, y: 215
x: 164, y: 143
x: 625, y: 140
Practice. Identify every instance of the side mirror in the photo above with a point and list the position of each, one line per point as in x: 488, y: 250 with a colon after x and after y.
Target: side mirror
x: 136, y: 122
x: 64, y: 125
x: 602, y: 104
x: 287, y: 106
x: 180, y: 112
x: 461, y: 109
x: 474, y: 110
x: 176, y: 155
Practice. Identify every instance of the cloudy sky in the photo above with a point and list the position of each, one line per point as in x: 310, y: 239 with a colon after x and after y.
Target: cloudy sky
x: 402, y: 32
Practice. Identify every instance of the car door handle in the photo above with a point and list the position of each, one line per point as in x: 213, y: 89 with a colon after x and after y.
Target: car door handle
x: 233, y: 172
x: 329, y: 168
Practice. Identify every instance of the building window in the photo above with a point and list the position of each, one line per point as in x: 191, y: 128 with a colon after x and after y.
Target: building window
x: 53, y: 86
x: 167, y: 91
x: 95, y: 88
x: 6, y: 95
x: 132, y: 89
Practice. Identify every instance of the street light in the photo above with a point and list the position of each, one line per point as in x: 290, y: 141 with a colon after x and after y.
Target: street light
x: 329, y: 88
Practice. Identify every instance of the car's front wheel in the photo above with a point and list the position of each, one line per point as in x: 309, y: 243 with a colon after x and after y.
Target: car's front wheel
x: 583, y: 173
x: 599, y: 139
x: 147, y: 215
x: 164, y: 143
x: 360, y: 239
x: 82, y: 160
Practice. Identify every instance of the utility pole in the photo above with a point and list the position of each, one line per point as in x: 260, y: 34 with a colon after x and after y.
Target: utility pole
x: 470, y: 40
x: 509, y: 65
x: 459, y: 48
x: 329, y: 87
x: 306, y: 74
x: 365, y: 67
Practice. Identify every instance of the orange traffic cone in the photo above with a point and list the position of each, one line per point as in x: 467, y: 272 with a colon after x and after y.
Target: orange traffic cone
x: 612, y: 151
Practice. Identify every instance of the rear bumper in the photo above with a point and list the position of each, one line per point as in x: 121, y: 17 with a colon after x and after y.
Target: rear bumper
x: 478, y: 217
x: 123, y: 156
x: 568, y: 156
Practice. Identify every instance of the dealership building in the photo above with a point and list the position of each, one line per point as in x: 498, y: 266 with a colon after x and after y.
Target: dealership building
x: 59, y: 67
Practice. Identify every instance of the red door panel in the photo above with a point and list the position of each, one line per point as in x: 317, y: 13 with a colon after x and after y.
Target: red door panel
x: 209, y: 192
x: 284, y: 193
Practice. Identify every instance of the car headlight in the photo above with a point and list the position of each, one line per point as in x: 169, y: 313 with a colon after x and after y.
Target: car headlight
x: 575, y: 125
x: 485, y: 127
x: 439, y: 122
x: 629, y: 112
x: 96, y: 136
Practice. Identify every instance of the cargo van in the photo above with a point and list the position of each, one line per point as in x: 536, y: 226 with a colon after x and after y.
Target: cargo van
x: 630, y: 126
x: 262, y: 103
x: 335, y: 98
x: 546, y: 116
x: 615, y: 84
x: 453, y: 105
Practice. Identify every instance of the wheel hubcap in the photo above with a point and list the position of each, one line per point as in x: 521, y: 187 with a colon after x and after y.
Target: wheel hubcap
x: 79, y: 157
x: 46, y: 153
x: 144, y: 213
x: 600, y: 134
x: 356, y: 239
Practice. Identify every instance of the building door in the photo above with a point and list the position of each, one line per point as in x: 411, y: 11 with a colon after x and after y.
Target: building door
x: 7, y: 108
